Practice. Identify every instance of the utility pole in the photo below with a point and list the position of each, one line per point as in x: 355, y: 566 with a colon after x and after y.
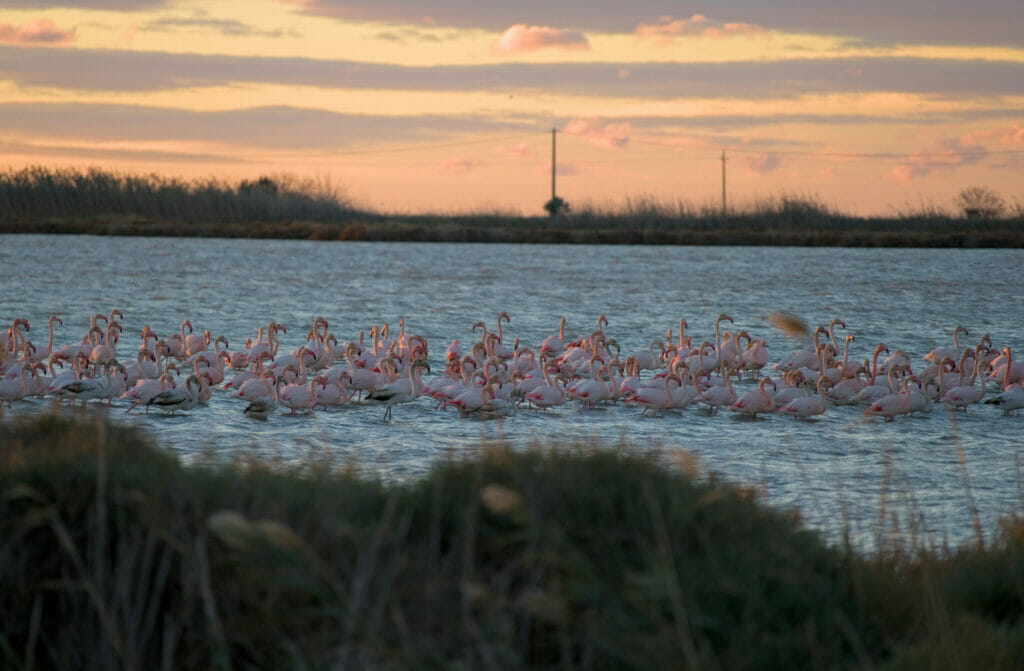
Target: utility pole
x: 553, y: 131
x: 723, y: 181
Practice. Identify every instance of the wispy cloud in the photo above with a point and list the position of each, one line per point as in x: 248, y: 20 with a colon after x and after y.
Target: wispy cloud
x: 458, y: 165
x: 608, y: 135
x: 521, y: 37
x: 988, y: 22
x: 517, y: 150
x: 763, y: 164
x: 226, y: 27
x: 119, y: 70
x: 667, y: 28
x: 118, y: 5
x: 39, y: 31
x: 946, y: 154
x: 272, y: 128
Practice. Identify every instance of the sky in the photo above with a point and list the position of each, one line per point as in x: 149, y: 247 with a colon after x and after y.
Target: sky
x: 868, y: 107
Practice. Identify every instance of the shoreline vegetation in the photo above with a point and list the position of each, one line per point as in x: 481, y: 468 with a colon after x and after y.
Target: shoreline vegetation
x: 114, y: 555
x: 95, y: 202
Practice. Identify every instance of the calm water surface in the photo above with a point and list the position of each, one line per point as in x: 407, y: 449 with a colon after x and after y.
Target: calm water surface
x: 840, y: 471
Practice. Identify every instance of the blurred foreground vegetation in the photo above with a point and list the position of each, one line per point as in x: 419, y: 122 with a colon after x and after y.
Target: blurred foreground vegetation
x: 43, y: 200
x: 112, y: 555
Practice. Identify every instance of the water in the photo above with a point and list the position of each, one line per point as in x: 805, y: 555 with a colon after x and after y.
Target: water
x: 839, y: 471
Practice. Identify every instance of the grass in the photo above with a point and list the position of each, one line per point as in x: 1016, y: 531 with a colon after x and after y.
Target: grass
x: 112, y: 555
x: 40, y: 200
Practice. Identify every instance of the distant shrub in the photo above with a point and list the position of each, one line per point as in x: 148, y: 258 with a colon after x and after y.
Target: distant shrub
x: 979, y: 202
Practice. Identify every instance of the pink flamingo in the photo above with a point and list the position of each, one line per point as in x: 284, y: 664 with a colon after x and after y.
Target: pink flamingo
x: 756, y: 401
x: 808, y: 406
x: 402, y: 390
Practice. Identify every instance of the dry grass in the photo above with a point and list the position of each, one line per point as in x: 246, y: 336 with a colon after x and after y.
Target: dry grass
x: 114, y: 556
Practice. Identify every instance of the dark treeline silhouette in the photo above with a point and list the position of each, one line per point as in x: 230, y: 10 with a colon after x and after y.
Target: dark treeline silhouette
x: 41, y: 200
x: 41, y: 193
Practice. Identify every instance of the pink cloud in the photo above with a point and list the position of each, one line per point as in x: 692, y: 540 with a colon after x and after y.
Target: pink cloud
x: 763, y: 163
x: 519, y: 149
x: 129, y: 35
x: 458, y: 165
x: 562, y: 168
x: 610, y: 136
x: 521, y: 37
x: 947, y: 154
x: 697, y: 25
x: 1011, y: 136
x: 39, y: 31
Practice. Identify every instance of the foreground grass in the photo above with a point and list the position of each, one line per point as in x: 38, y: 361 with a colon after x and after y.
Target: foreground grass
x: 112, y: 555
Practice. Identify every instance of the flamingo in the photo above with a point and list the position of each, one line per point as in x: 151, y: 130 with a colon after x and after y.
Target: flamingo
x: 891, y: 405
x: 966, y: 394
x: 555, y: 344
x: 756, y: 401
x: 297, y: 397
x: 654, y: 397
x: 808, y: 406
x: 939, y: 353
x: 84, y: 389
x: 254, y: 388
x: 547, y: 394
x: 719, y: 396
x: 332, y: 392
x: 13, y: 390
x: 179, y: 398
x: 44, y: 352
x: 144, y: 390
x: 403, y: 390
x: 844, y: 391
x: 1005, y: 367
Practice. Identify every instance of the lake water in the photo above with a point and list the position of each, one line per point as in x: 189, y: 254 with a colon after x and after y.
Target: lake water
x: 840, y: 471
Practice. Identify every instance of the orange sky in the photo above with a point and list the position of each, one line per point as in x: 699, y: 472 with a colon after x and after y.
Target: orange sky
x: 448, y: 107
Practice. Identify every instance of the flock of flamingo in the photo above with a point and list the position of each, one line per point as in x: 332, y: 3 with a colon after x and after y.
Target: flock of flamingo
x: 495, y: 377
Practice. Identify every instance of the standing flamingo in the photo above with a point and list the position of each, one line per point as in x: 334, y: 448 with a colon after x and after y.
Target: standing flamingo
x: 402, y: 390
x: 757, y: 401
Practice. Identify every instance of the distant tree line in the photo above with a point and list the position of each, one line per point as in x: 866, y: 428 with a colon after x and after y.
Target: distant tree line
x: 45, y: 193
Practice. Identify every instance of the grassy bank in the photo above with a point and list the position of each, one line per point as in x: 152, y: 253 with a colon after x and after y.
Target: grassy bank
x: 99, y: 203
x: 114, y: 556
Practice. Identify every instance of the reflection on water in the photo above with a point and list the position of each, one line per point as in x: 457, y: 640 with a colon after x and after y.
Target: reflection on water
x: 838, y: 470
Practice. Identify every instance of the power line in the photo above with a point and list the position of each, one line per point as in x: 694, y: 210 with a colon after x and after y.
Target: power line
x: 444, y: 145
x: 806, y: 152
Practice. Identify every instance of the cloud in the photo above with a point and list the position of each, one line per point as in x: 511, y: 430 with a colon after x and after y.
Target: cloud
x: 272, y: 128
x: 226, y: 27
x: 118, y: 5
x: 1008, y: 136
x: 120, y: 70
x: 521, y: 37
x: 562, y: 169
x: 515, y: 150
x: 39, y: 31
x: 763, y: 164
x: 698, y: 25
x: 947, y: 154
x: 458, y: 165
x: 407, y: 35
x: 610, y: 136
x: 986, y: 22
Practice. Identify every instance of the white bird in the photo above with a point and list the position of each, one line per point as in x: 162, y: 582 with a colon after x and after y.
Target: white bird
x: 402, y: 390
x: 172, y: 400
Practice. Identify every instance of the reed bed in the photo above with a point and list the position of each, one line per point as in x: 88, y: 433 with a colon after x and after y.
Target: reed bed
x: 113, y: 555
x: 41, y: 200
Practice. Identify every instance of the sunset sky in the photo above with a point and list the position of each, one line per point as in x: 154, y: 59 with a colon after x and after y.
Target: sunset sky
x: 870, y: 106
